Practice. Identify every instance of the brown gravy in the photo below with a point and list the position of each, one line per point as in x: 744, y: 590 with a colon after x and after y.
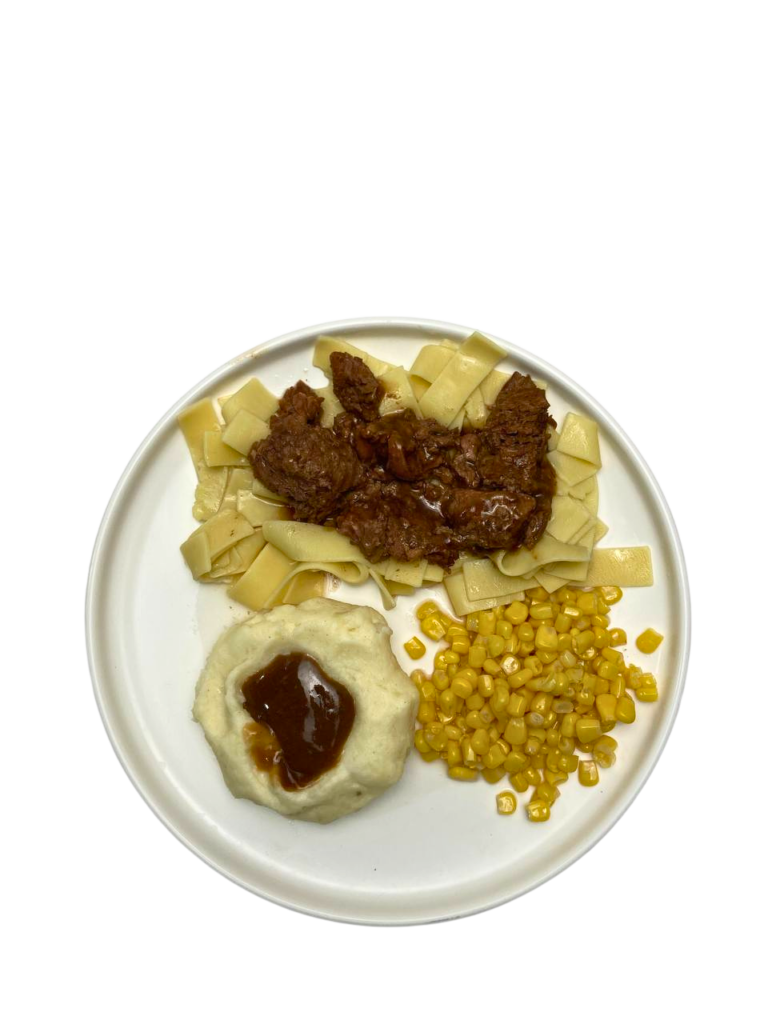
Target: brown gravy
x: 301, y: 719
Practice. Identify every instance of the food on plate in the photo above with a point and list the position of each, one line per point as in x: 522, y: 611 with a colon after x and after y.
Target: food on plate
x: 649, y: 641
x: 452, y: 471
x: 306, y: 709
x: 520, y: 691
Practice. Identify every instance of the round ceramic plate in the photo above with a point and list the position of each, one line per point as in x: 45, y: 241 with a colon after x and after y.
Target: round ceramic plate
x: 428, y: 849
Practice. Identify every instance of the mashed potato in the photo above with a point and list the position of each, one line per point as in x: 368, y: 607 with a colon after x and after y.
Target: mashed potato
x: 351, y: 645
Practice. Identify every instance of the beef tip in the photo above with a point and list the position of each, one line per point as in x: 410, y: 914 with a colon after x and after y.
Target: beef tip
x: 537, y: 523
x: 355, y: 386
x: 307, y: 464
x: 301, y: 401
x: 489, y: 519
x: 410, y: 448
x: 513, y: 445
x: 464, y: 461
x: 390, y: 520
x: 351, y: 430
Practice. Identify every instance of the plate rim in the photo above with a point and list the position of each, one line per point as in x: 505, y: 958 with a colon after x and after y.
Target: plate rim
x: 96, y: 569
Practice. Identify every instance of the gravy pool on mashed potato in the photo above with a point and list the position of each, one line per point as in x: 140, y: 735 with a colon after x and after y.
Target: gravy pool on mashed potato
x: 351, y: 645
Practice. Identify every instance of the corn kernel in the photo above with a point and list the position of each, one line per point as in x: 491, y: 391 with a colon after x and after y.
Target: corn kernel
x: 460, y: 644
x: 414, y: 648
x: 604, y: 751
x: 461, y: 687
x: 516, y: 732
x: 606, y: 709
x: 430, y: 755
x: 495, y: 756
x: 486, y: 623
x: 587, y: 603
x: 519, y: 782
x: 492, y: 775
x: 516, y: 613
x: 427, y: 712
x: 462, y: 774
x: 611, y: 594
x: 495, y: 645
x: 426, y: 609
x: 587, y: 730
x: 420, y: 742
x: 618, y: 638
x: 542, y: 611
x: 602, y: 636
x: 476, y: 656
x: 538, y: 810
x: 532, y: 775
x: 526, y: 633
x: 474, y: 721
x: 504, y: 629
x: 453, y: 754
x: 433, y: 627
x: 506, y: 802
x: 646, y: 693
x: 648, y: 641
x: 588, y: 773
x: 625, y: 709
x: 546, y: 791
x: 448, y: 702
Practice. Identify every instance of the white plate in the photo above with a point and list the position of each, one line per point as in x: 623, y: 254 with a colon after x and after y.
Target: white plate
x: 429, y: 849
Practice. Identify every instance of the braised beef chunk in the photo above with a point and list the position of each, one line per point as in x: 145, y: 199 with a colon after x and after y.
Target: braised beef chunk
x: 489, y: 519
x: 355, y: 386
x: 410, y: 489
x: 513, y: 443
x: 304, y: 462
x: 389, y: 520
x: 301, y: 401
x: 410, y: 448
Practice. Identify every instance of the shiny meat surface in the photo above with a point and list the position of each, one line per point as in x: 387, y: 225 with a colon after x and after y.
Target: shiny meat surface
x: 406, y: 488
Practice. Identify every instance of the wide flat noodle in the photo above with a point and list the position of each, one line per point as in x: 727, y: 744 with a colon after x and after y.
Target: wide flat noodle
x: 325, y: 345
x: 267, y: 575
x: 331, y: 405
x: 306, y: 542
x: 217, y: 453
x: 573, y: 471
x: 457, y: 593
x: 253, y: 397
x: 209, y: 492
x: 620, y: 567
x: 419, y: 386
x: 579, y: 438
x: 398, y: 589
x: 476, y: 410
x: 409, y: 573
x: 548, y: 549
x: 591, y: 500
x: 257, y: 511
x: 224, y: 530
x: 600, y: 531
x: 465, y: 371
x: 197, y: 553
x: 552, y: 439
x: 305, y: 585
x: 433, y: 573
x: 549, y: 582
x: 580, y: 491
x: 238, y: 480
x: 492, y: 385
x: 431, y: 361
x: 482, y: 580
x: 398, y: 393
x: 568, y: 517
x: 195, y: 421
x: 244, y: 431
x: 458, y: 423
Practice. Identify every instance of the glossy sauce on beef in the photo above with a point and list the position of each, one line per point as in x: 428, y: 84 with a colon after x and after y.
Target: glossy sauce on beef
x: 408, y: 488
x: 301, y: 719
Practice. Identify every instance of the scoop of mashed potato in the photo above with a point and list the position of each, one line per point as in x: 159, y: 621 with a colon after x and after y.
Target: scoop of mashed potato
x: 351, y: 645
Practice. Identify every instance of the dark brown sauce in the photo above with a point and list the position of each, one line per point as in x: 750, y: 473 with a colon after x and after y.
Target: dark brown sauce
x: 301, y: 719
